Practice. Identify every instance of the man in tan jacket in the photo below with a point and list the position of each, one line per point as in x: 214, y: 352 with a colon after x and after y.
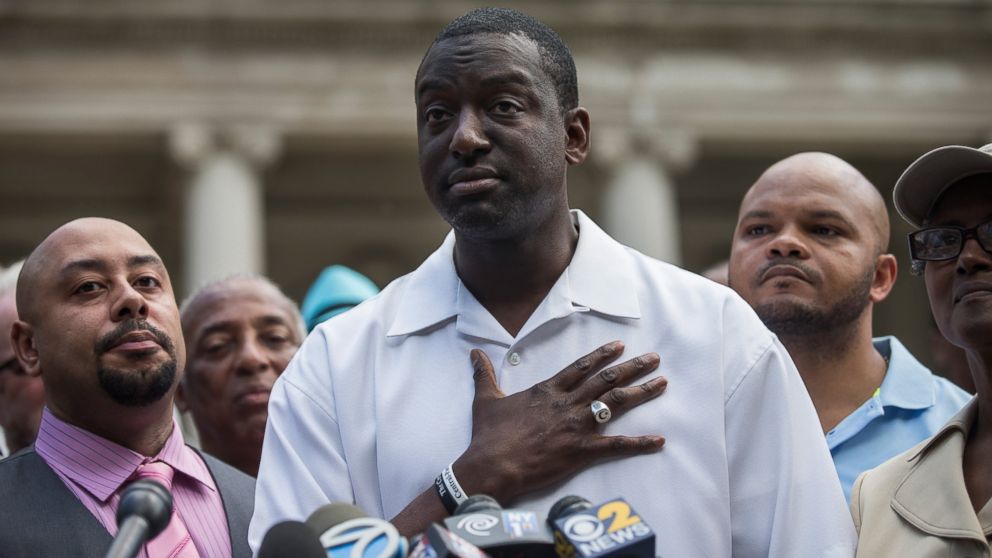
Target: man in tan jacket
x: 934, y: 500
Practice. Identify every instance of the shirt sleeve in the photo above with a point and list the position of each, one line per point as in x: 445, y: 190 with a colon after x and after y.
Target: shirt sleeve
x: 303, y: 465
x: 786, y: 500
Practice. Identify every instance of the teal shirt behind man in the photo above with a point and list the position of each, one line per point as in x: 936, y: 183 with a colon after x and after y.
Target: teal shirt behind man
x: 911, y: 405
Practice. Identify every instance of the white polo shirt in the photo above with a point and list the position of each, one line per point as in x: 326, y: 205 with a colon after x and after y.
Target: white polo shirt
x: 379, y: 399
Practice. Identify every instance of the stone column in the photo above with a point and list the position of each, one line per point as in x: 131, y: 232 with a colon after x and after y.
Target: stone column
x: 224, y: 199
x: 640, y: 206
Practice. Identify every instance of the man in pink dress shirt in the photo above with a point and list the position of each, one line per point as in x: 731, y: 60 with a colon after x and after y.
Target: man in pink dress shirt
x: 100, y: 325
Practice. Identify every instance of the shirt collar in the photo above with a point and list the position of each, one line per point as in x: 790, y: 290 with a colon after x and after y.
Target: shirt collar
x: 100, y: 466
x: 907, y: 384
x: 430, y: 295
x: 599, y: 277
x: 601, y: 273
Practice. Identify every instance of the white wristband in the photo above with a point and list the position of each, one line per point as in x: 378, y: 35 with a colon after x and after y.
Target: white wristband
x: 451, y: 483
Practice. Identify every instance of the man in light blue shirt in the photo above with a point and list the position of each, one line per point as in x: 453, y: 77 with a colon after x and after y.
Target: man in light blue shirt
x: 809, y: 255
x: 911, y: 405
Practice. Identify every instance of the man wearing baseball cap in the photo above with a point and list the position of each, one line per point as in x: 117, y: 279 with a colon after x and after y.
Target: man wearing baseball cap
x: 936, y: 498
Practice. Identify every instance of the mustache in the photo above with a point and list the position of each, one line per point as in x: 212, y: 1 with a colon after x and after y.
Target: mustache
x: 810, y: 273
x: 112, y: 339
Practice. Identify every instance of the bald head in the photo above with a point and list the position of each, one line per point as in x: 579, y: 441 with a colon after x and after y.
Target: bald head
x: 834, y: 177
x: 55, y: 257
x: 809, y: 250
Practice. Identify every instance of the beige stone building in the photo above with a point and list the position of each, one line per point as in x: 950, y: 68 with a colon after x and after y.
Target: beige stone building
x: 279, y: 136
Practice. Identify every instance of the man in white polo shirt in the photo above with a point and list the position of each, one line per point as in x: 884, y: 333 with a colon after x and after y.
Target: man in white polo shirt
x: 380, y: 400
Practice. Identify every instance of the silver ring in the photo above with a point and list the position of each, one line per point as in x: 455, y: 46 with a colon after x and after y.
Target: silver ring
x: 601, y: 412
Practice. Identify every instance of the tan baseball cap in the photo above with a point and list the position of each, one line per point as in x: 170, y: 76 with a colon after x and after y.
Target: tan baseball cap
x: 928, y: 177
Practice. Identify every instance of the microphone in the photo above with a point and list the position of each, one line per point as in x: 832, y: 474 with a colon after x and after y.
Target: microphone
x: 346, y: 532
x: 612, y: 529
x: 143, y: 512
x: 438, y: 542
x: 501, y: 533
x: 291, y: 539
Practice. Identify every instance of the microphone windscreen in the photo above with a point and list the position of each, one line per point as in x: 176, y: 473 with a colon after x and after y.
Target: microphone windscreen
x: 567, y: 505
x: 477, y: 502
x: 347, y: 532
x: 446, y: 544
x: 290, y: 539
x: 149, y: 500
x: 329, y: 515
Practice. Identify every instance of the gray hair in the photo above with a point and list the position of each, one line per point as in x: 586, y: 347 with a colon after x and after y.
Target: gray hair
x: 224, y: 282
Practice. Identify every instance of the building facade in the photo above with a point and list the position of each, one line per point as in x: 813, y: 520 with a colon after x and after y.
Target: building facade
x: 279, y: 137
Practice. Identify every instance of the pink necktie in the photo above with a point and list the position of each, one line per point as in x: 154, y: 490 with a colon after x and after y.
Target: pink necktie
x: 175, y: 541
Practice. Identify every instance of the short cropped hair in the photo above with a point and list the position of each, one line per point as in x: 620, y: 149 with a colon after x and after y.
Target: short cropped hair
x: 556, y: 58
x: 222, y: 285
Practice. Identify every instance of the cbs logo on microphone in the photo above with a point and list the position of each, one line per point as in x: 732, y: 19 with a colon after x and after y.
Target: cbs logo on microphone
x: 602, y: 529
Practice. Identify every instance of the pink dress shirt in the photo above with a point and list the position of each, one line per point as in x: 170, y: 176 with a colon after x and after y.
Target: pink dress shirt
x: 95, y: 470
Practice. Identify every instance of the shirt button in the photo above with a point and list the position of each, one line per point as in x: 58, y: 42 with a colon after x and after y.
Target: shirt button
x: 514, y: 358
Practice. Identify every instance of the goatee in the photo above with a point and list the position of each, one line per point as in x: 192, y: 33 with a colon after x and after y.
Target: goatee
x: 793, y: 319
x: 137, y: 388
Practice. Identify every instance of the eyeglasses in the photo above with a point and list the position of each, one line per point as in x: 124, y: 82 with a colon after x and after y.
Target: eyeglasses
x: 945, y: 243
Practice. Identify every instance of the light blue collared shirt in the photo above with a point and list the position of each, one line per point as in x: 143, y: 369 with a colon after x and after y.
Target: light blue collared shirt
x: 911, y: 405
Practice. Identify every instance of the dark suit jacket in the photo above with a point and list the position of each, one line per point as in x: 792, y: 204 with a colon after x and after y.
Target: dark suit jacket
x: 41, y: 517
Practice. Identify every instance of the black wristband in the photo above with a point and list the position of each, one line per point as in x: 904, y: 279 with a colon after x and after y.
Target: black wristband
x: 445, y: 495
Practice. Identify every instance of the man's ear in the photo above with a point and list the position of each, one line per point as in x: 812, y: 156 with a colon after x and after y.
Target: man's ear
x: 886, y: 270
x: 22, y: 339
x: 181, y: 402
x: 577, y: 135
